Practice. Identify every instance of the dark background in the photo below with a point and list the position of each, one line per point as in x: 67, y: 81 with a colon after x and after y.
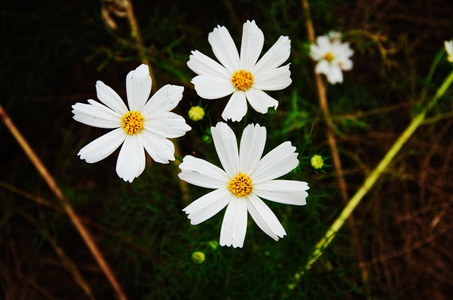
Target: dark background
x: 52, y: 53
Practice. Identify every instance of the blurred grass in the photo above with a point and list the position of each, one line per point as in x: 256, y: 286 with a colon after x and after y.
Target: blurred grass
x: 52, y: 53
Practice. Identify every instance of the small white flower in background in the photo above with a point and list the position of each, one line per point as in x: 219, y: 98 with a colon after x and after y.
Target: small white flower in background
x: 145, y: 125
x: 332, y: 56
x: 242, y: 75
x: 246, y: 177
x: 449, y: 49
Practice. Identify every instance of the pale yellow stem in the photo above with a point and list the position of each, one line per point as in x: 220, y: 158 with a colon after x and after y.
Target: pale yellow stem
x: 373, y: 177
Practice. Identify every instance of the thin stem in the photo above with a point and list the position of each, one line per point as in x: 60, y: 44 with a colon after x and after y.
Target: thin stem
x: 232, y: 11
x: 324, y: 107
x: 331, y: 140
x: 438, y: 118
x: 63, y: 202
x: 69, y: 265
x: 374, y: 176
x: 135, y: 33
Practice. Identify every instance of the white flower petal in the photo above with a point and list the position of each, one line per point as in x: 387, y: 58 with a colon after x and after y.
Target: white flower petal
x: 207, y: 206
x: 227, y: 149
x: 103, y: 146
x: 274, y: 57
x: 103, y: 108
x: 279, y: 161
x: 449, y: 47
x: 208, y: 87
x: 265, y: 218
x: 324, y: 43
x: 251, y: 45
x: 260, y: 101
x: 110, y: 98
x: 202, y: 173
x: 345, y: 64
x: 164, y: 100
x: 96, y: 115
x: 234, y: 225
x: 138, y: 87
x: 316, y: 53
x: 335, y: 75
x: 251, y: 149
x: 159, y: 148
x: 204, y: 65
x: 131, y: 159
x: 449, y: 50
x: 342, y: 49
x: 236, y: 107
x: 273, y: 80
x: 283, y: 191
x: 323, y: 67
x: 167, y: 124
x: 224, y: 48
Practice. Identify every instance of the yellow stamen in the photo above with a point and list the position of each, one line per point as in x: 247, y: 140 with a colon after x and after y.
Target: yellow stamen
x: 241, y: 185
x: 328, y: 56
x: 242, y: 80
x: 132, y: 122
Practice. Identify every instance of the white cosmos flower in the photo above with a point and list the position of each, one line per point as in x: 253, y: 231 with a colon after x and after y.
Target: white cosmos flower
x: 332, y: 56
x: 242, y: 75
x: 145, y: 125
x: 449, y: 49
x: 244, y: 179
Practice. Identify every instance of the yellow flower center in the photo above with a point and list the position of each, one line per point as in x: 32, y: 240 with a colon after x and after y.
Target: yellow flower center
x: 132, y: 122
x: 242, y: 80
x: 241, y: 185
x: 329, y: 57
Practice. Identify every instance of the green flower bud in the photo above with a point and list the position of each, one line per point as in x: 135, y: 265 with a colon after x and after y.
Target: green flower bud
x: 196, y: 113
x: 198, y: 257
x: 207, y: 138
x: 317, y: 162
x: 214, y: 244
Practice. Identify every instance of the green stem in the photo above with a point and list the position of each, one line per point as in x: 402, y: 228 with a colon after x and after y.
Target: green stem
x: 374, y: 176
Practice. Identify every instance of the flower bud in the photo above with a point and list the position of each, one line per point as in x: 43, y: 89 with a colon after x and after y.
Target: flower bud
x: 213, y: 245
x: 317, y: 162
x: 198, y: 257
x: 196, y: 113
